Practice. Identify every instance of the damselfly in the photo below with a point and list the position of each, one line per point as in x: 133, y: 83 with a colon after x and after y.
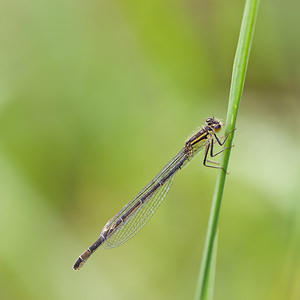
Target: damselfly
x: 133, y: 216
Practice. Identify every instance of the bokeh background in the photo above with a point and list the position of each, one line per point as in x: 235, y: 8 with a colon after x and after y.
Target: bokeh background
x: 96, y: 97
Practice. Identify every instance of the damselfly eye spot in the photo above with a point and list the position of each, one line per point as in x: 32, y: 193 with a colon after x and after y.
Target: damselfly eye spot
x: 209, y: 121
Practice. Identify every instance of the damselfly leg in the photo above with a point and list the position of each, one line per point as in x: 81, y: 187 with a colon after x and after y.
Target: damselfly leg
x: 210, y: 147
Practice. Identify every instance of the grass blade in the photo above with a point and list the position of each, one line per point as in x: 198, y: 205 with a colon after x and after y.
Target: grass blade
x: 205, y: 283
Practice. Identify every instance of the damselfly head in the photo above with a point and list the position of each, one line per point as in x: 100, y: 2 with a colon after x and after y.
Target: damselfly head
x: 215, y: 124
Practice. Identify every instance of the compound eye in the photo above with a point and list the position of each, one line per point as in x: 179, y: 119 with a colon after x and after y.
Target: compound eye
x: 217, y: 127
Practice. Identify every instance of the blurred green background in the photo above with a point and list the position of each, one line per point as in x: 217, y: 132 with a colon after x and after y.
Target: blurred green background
x: 96, y: 97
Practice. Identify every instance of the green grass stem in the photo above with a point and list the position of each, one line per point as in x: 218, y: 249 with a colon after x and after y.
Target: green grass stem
x: 207, y: 270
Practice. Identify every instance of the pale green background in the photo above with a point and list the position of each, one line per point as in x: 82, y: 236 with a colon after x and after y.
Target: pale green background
x: 96, y: 96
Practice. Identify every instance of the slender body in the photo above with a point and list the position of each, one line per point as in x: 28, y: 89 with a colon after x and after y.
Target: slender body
x: 131, y: 219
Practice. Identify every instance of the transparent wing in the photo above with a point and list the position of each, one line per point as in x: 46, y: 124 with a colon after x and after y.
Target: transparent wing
x: 133, y: 216
x: 139, y: 218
